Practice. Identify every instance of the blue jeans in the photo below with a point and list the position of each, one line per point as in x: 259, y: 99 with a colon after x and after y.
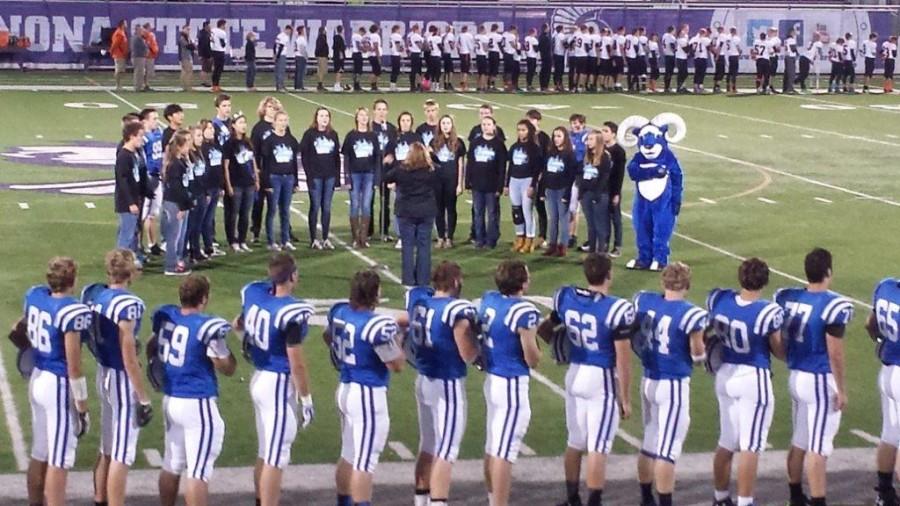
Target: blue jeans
x: 209, y: 219
x: 195, y: 225
x: 175, y: 232
x: 362, y: 185
x: 300, y: 72
x: 280, y: 71
x: 321, y: 193
x: 416, y: 254
x: 282, y: 191
x: 558, y: 212
x: 595, y: 205
x: 485, y: 208
x: 126, y: 238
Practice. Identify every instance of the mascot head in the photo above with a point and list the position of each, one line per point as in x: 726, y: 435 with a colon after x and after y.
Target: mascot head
x: 652, y: 137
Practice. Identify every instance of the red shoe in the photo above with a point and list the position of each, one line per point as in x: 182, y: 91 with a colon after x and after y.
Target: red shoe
x: 551, y: 250
x: 560, y: 251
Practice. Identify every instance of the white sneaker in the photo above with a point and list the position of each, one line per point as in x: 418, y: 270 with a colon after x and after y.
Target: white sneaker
x: 216, y: 252
x: 236, y: 248
x: 327, y: 244
x: 162, y: 246
x: 273, y: 247
x: 288, y: 247
x: 316, y: 244
x: 399, y: 244
x: 337, y: 87
x: 246, y: 248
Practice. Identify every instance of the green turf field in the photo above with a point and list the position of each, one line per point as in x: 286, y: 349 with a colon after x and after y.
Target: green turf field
x: 767, y: 176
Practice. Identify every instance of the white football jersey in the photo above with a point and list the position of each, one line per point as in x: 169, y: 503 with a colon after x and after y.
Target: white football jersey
x: 414, y: 42
x: 790, y: 47
x: 494, y: 40
x: 481, y: 44
x: 870, y: 49
x: 669, y: 43
x: 466, y: 43
x: 630, y: 46
x: 397, y: 46
x: 681, y: 46
x: 531, y: 46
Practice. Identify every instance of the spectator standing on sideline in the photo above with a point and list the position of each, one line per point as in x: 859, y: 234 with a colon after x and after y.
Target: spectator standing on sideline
x: 128, y: 188
x: 321, y: 58
x: 204, y: 51
x: 138, y: 57
x: 415, y: 179
x: 152, y: 54
x: 283, y: 50
x: 300, y: 55
x: 186, y: 49
x: 545, y: 49
x: 118, y: 50
x: 339, y: 49
x: 250, y: 60
x: 616, y: 179
x: 220, y: 46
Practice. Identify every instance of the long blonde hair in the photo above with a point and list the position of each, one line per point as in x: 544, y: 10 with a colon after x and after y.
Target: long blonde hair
x: 178, y: 141
x: 598, y: 157
x: 417, y: 158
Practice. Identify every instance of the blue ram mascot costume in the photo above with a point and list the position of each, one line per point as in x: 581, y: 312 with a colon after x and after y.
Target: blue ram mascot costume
x: 659, y: 184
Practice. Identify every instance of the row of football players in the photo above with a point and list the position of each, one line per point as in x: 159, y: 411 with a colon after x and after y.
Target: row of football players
x: 588, y: 328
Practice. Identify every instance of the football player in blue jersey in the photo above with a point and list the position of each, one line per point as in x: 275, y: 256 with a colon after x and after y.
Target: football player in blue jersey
x: 276, y: 324
x: 749, y: 330
x: 671, y: 337
x: 884, y: 326
x: 815, y: 321
x: 442, y: 328
x: 368, y: 349
x: 153, y: 154
x: 124, y: 402
x: 598, y: 328
x: 54, y: 320
x: 192, y: 347
x: 510, y: 349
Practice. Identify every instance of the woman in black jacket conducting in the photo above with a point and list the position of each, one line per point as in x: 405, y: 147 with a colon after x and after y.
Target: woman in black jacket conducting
x: 415, y: 207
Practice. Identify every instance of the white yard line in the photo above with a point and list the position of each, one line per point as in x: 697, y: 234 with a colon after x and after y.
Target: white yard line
x: 526, y: 450
x: 831, y: 102
x: 740, y: 162
x: 708, y: 201
x: 764, y: 121
x: 12, y: 419
x: 824, y: 201
x: 865, y: 436
x: 401, y: 450
x: 765, y: 200
x: 24, y: 206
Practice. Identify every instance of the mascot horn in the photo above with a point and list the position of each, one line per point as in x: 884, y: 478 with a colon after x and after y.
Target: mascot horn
x: 659, y: 184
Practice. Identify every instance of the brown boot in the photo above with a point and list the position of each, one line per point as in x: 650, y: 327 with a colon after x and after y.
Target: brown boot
x: 363, y: 232
x: 354, y: 230
x: 527, y: 246
x: 560, y: 251
x: 517, y: 244
x: 550, y: 251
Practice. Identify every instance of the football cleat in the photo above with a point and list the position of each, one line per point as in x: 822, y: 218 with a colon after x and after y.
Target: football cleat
x: 656, y: 266
x: 635, y: 265
x: 723, y: 502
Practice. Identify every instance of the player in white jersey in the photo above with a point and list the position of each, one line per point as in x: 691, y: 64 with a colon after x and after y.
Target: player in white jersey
x: 701, y: 45
x: 630, y: 50
x: 790, y: 61
x: 373, y: 44
x: 816, y: 320
x: 466, y: 50
x: 773, y: 41
x: 744, y: 331
x: 415, y: 45
x: 50, y: 331
x: 124, y: 403
x: 511, y: 68
x: 682, y: 48
x: 835, y: 58
x: 590, y: 329
x: 848, y: 54
x: 870, y: 53
x: 618, y: 56
x: 449, y: 42
x: 397, y: 50
x: 734, y: 49
x: 559, y: 42
x: 494, y: 48
x: 889, y: 53
x: 760, y: 53
x: 808, y: 58
x: 578, y: 57
x: 592, y: 40
x: 669, y: 42
x: 530, y: 47
x: 719, y: 40
x: 642, y: 50
x: 482, y: 41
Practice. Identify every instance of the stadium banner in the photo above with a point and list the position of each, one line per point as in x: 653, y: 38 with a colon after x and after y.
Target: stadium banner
x: 60, y: 30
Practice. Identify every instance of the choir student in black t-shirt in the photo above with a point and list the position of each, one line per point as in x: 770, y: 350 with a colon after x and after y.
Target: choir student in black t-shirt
x: 177, y: 201
x: 279, y: 167
x: 485, y: 176
x: 448, y: 154
x: 525, y: 163
x: 128, y: 187
x: 241, y: 182
x: 320, y: 154
x: 199, y: 196
x: 362, y: 161
x: 215, y: 184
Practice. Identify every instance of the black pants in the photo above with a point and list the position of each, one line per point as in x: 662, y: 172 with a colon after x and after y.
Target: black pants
x: 546, y: 69
x: 263, y: 201
x: 445, y: 193
x: 700, y: 65
x: 384, y: 208
x: 559, y: 66
x: 615, y: 219
x: 395, y: 68
x: 849, y: 72
x: 763, y: 73
x: 804, y: 72
x: 773, y: 69
x: 633, y: 80
x: 434, y: 69
x: 415, y: 68
x: 530, y: 68
x: 218, y: 66
x: 541, y: 209
x: 515, y: 71
x: 682, y: 66
x: 720, y: 68
x: 228, y: 211
x: 733, y: 64
x: 670, y: 70
x: 889, y: 68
